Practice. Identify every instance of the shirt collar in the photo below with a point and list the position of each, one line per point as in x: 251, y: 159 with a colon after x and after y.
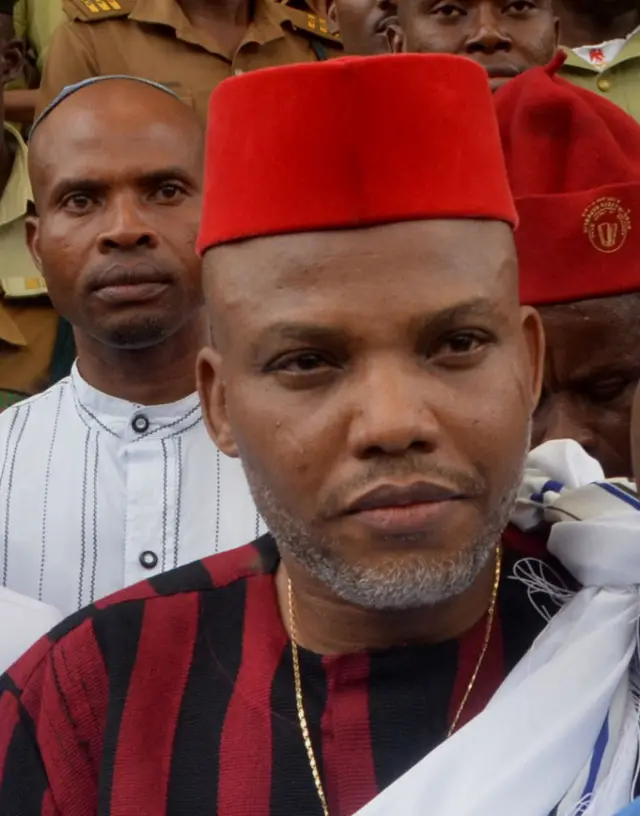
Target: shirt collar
x: 102, y: 412
x: 10, y: 332
x: 265, y: 26
x: 14, y: 200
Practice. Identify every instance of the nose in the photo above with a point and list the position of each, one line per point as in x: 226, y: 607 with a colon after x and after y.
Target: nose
x: 561, y: 418
x: 488, y: 35
x: 391, y: 416
x: 126, y: 227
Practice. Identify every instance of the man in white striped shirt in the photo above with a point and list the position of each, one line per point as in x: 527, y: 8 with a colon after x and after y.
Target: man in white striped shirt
x: 109, y: 476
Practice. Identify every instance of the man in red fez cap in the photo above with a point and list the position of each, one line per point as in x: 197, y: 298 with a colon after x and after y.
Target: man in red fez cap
x: 574, y: 165
x: 372, y: 367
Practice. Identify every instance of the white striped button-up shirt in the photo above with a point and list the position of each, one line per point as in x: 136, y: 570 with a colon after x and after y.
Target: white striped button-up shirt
x: 97, y: 493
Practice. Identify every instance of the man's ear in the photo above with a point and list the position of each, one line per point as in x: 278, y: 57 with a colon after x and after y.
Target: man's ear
x: 11, y: 61
x: 635, y: 437
x: 332, y: 18
x: 395, y: 37
x: 32, y: 230
x: 213, y: 400
x: 535, y: 342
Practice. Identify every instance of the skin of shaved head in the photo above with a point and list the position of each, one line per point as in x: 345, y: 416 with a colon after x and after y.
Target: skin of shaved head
x: 116, y: 171
x: 125, y: 103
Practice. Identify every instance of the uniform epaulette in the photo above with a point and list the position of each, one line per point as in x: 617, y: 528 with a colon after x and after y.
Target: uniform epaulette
x: 93, y: 11
x: 311, y: 25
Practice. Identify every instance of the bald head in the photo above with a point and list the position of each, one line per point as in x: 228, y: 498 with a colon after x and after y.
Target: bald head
x: 116, y: 170
x: 107, y: 116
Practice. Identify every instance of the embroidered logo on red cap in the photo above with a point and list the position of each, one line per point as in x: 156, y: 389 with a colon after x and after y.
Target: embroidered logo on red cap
x: 607, y: 224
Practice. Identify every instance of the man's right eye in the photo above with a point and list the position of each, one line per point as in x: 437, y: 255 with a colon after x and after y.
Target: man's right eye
x: 77, y: 202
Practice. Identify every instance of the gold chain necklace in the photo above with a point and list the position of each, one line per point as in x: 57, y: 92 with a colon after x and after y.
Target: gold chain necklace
x: 302, y: 717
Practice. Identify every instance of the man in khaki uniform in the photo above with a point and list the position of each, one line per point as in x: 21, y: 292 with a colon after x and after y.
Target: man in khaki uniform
x: 187, y: 45
x: 28, y: 324
x: 602, y: 41
x: 34, y: 22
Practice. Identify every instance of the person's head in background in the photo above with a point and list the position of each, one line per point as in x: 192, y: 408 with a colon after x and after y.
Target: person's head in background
x: 590, y: 22
x: 118, y: 208
x: 365, y: 26
x: 505, y: 36
x: 579, y: 253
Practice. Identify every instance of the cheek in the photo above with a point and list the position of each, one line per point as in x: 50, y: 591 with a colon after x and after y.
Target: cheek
x: 539, y: 43
x: 63, y: 257
x: 492, y: 427
x: 425, y: 36
x: 270, y: 428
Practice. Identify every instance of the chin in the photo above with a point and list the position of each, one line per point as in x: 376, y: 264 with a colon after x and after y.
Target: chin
x: 135, y: 335
x: 400, y: 578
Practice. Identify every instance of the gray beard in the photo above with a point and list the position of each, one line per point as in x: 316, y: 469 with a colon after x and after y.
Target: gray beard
x: 394, y: 583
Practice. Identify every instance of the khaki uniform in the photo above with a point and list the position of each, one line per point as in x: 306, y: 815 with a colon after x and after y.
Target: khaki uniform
x: 619, y: 81
x: 153, y: 39
x: 35, y: 21
x: 28, y: 322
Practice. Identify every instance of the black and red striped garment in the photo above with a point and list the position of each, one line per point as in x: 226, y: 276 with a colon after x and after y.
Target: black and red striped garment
x: 176, y: 696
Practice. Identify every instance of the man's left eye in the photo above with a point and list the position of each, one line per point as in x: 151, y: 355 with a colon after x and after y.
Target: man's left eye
x: 463, y: 343
x: 168, y: 192
x: 521, y: 6
x: 607, y: 390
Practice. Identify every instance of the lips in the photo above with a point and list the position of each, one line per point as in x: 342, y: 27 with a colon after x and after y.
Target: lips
x: 502, y: 71
x: 397, y: 510
x: 124, y: 275
x: 390, y: 495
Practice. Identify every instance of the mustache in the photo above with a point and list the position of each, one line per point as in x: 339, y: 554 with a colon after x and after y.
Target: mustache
x: 409, y: 469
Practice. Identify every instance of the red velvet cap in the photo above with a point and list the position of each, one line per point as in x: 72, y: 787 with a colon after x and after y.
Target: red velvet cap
x: 351, y: 143
x: 574, y: 164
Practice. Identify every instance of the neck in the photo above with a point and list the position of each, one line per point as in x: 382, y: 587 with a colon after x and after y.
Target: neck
x: 230, y: 12
x: 578, y: 29
x: 157, y: 375
x: 7, y: 155
x: 325, y: 624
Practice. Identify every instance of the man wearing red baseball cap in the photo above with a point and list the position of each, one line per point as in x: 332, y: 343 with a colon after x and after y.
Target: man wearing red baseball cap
x: 574, y: 165
x: 372, y: 367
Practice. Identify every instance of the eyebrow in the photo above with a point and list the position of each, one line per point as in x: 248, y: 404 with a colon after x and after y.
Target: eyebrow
x: 440, y: 320
x: 146, y: 180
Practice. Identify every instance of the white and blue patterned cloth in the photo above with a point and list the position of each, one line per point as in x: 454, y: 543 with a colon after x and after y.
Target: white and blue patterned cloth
x: 632, y: 810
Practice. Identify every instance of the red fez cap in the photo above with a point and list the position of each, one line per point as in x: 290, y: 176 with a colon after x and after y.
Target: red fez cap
x: 574, y: 163
x: 351, y: 143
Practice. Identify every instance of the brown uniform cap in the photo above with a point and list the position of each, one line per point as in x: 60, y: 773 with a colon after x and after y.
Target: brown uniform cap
x: 154, y: 39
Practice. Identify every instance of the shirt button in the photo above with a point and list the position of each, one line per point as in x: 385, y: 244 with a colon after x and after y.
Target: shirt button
x: 149, y: 559
x: 140, y: 423
x: 604, y: 84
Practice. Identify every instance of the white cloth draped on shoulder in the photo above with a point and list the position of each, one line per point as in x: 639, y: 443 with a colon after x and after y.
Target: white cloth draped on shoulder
x: 22, y: 622
x: 561, y: 734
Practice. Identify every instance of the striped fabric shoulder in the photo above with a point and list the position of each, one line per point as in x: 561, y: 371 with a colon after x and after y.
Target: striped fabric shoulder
x: 258, y: 558
x: 50, y: 708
